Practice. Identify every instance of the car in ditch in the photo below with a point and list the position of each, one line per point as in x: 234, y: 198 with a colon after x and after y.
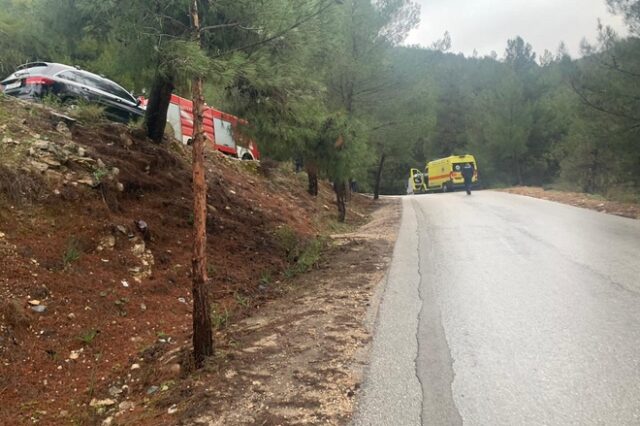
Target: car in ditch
x: 71, y: 85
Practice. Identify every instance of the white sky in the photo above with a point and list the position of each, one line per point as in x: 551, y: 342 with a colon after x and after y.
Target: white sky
x: 486, y: 25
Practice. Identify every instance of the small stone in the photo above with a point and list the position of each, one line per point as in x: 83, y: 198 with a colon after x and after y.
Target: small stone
x: 62, y: 128
x: 138, y: 249
x: 173, y: 409
x: 152, y: 390
x: 50, y: 161
x: 81, y: 151
x: 86, y: 181
x: 122, y: 229
x: 115, y: 391
x: 115, y: 171
x: 64, y: 413
x: 107, y: 421
x: 39, y: 309
x: 71, y: 316
x: 101, y: 164
x: 143, y: 306
x: 182, y: 300
x: 120, y: 187
x: 74, y: 355
x: 102, y: 403
x: 124, y: 283
x: 34, y: 302
x: 135, y: 367
x: 108, y: 242
x: 39, y: 166
x: 126, y: 405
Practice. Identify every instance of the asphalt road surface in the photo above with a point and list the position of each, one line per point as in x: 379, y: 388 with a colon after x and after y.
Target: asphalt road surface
x: 507, y: 310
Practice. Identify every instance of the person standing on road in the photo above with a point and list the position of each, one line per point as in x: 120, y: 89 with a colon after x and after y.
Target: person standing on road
x: 467, y: 174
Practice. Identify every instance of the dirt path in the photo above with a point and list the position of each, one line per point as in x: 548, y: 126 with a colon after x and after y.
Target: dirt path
x: 300, y: 359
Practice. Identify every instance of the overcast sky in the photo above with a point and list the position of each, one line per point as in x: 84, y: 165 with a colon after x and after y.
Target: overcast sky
x: 486, y: 25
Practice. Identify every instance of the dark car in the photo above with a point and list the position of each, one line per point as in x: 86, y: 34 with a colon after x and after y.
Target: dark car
x: 36, y: 80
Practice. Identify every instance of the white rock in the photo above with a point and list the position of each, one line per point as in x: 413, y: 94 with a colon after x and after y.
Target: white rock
x: 126, y: 405
x: 138, y: 249
x: 102, y: 403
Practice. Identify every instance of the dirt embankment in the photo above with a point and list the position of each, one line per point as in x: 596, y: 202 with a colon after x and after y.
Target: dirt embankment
x: 95, y: 315
x: 630, y: 210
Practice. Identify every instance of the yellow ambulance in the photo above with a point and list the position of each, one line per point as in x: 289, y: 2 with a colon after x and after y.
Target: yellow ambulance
x: 445, y: 174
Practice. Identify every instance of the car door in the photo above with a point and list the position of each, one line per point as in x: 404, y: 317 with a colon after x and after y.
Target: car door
x: 75, y: 87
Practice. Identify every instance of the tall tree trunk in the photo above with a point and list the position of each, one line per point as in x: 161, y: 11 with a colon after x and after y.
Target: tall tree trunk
x: 340, y: 188
x: 158, y: 106
x: 312, y: 173
x: 376, y: 190
x: 202, y: 333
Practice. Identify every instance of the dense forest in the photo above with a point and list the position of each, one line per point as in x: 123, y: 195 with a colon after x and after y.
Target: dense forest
x: 330, y: 83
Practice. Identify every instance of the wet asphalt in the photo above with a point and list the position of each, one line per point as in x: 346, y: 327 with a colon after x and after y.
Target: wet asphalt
x: 507, y: 310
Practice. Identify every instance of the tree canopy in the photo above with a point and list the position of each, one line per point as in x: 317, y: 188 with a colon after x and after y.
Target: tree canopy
x: 291, y: 67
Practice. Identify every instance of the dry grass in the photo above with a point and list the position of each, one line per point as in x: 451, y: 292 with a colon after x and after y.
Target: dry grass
x: 20, y: 187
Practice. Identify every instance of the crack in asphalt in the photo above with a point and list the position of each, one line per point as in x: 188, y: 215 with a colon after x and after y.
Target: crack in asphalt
x: 421, y: 298
x: 442, y: 349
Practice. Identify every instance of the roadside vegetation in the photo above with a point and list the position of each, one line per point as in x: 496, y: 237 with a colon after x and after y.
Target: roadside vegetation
x: 306, y: 72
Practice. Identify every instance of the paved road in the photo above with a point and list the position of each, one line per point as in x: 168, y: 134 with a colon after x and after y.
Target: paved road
x: 507, y: 310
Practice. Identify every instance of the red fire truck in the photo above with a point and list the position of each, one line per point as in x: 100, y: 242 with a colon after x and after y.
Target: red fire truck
x: 223, y: 130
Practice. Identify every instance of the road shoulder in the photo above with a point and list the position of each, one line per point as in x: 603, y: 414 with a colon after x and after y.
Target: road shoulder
x: 392, y: 392
x: 300, y: 359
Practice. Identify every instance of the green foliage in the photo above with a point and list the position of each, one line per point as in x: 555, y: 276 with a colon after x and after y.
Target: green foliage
x: 302, y: 255
x: 88, y: 336
x: 99, y: 173
x: 219, y: 317
x: 88, y: 113
x: 72, y: 252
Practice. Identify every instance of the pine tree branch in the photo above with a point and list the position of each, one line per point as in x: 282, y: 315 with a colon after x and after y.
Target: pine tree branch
x: 614, y: 66
x: 279, y: 34
x: 585, y: 99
